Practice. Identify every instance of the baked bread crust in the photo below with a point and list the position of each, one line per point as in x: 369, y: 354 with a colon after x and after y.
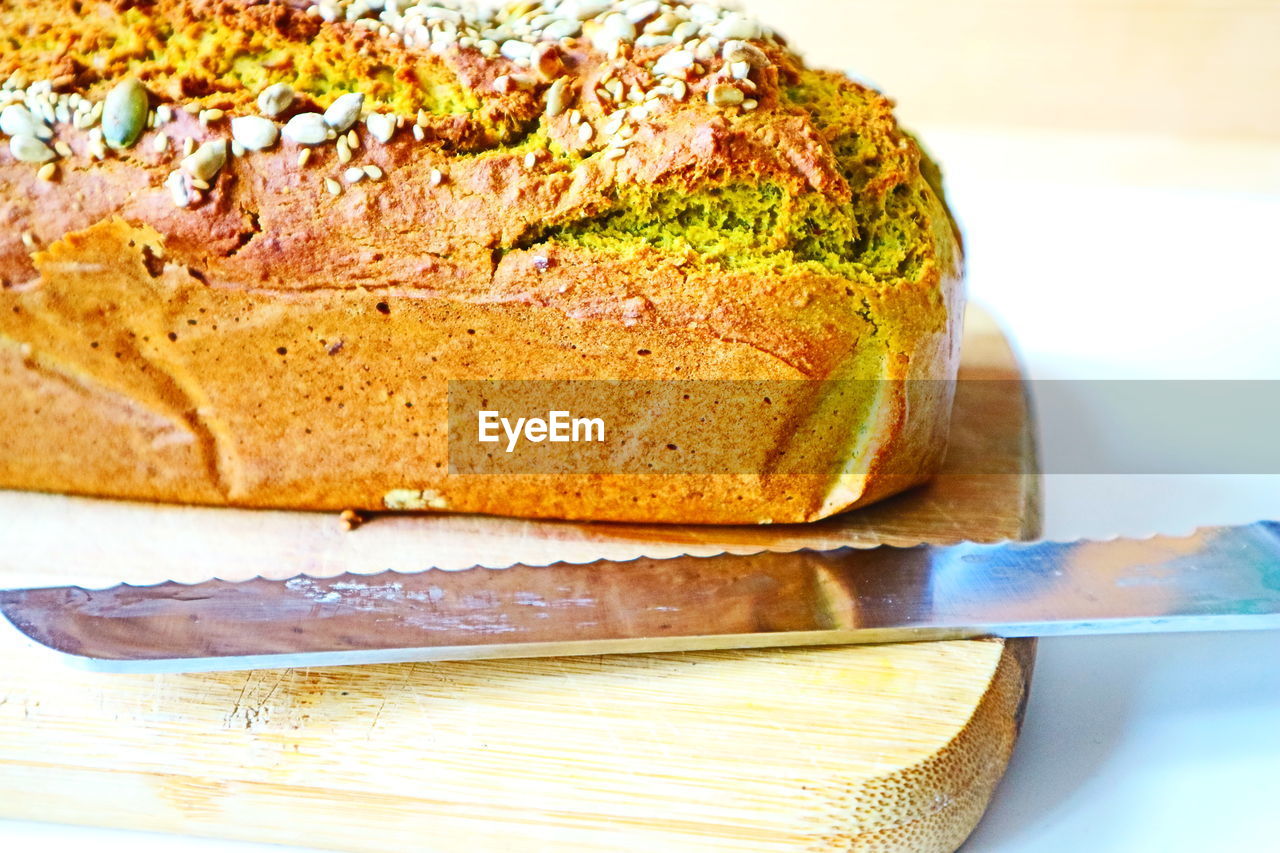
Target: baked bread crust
x: 273, y: 344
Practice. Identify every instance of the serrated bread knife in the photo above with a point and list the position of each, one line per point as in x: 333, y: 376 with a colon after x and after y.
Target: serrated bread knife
x: 1219, y: 578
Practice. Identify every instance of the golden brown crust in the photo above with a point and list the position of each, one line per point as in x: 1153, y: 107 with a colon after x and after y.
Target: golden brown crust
x: 188, y: 354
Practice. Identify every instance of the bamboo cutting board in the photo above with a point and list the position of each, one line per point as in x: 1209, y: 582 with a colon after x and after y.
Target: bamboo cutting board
x: 868, y: 748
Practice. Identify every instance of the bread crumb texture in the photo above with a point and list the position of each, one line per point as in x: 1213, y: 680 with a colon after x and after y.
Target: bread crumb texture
x: 275, y: 230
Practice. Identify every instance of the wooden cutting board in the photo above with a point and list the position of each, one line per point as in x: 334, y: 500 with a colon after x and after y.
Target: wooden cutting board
x: 877, y: 747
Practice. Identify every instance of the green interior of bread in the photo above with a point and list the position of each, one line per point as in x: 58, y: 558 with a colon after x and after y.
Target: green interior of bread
x: 879, y: 235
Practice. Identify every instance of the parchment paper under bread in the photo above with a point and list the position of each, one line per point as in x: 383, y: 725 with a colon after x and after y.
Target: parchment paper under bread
x: 58, y: 540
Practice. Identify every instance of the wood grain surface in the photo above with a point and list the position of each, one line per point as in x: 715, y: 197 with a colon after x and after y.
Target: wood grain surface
x: 868, y: 748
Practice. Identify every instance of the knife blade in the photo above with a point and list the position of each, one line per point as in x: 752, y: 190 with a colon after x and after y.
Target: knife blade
x: 1221, y: 578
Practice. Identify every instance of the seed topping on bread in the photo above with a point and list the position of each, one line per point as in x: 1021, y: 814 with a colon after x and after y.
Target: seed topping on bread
x: 651, y: 51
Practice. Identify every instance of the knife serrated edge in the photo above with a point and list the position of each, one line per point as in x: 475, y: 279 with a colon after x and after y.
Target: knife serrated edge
x: 847, y: 613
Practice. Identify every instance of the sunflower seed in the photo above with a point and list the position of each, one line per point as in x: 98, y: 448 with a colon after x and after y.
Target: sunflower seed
x: 381, y: 127
x: 684, y: 31
x: 306, y: 129
x: 644, y: 9
x: 663, y: 25
x: 28, y: 149
x: 516, y: 49
x: 583, y: 9
x: 344, y: 111
x: 672, y: 61
x: 275, y: 99
x: 736, y: 50
x: 724, y: 95
x: 620, y: 28
x: 558, y: 97
x: 124, y: 113
x: 177, y: 186
x: 16, y: 120
x: 255, y: 133
x: 206, y: 160
x: 561, y: 29
x: 735, y: 27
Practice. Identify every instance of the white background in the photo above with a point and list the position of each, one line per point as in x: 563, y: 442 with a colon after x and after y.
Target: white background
x: 1103, y: 257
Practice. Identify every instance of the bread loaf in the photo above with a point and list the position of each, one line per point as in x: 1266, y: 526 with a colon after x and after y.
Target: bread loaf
x: 248, y: 244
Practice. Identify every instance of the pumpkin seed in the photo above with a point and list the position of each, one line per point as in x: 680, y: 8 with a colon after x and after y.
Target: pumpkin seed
x: 124, y: 114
